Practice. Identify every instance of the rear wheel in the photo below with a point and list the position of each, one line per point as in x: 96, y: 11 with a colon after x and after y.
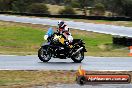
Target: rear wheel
x: 77, y: 58
x: 44, y: 54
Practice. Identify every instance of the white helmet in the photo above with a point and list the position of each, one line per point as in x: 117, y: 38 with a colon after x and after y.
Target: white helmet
x: 61, y: 23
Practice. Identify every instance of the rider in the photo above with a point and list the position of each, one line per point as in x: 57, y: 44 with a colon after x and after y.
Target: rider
x: 63, y: 29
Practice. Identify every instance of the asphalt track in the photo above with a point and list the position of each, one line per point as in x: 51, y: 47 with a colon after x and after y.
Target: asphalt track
x: 89, y: 63
x: 100, y: 28
x: 89, y: 86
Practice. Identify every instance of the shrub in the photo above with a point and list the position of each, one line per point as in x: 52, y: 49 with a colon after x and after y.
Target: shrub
x: 38, y: 8
x: 67, y: 10
x: 98, y: 10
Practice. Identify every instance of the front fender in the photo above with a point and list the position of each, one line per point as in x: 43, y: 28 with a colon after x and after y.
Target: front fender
x: 45, y: 44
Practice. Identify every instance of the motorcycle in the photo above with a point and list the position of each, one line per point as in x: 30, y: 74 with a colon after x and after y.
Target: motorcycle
x: 58, y: 47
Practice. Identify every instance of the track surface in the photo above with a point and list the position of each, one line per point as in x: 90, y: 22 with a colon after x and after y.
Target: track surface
x: 89, y: 63
x: 100, y: 28
x: 91, y: 86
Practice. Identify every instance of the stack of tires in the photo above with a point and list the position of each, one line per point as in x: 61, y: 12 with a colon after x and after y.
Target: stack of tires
x: 125, y: 41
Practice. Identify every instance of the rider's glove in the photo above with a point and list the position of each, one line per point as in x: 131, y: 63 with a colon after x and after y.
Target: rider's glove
x: 67, y: 43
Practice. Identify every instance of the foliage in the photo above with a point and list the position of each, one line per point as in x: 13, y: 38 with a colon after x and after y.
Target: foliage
x: 98, y: 10
x: 67, y: 10
x: 22, y: 5
x: 117, y: 7
x: 38, y: 8
x: 75, y: 4
x: 5, y: 5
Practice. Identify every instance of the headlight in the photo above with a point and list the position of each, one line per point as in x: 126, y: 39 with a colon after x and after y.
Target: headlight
x: 45, y: 37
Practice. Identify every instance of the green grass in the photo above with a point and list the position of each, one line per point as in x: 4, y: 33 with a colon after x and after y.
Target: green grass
x: 20, y: 38
x: 25, y: 39
x: 100, y: 44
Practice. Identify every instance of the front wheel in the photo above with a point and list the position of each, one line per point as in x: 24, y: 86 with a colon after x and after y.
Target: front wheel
x: 77, y: 58
x: 44, y: 54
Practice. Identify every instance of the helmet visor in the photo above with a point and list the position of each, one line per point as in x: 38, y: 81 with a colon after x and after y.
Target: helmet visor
x: 60, y: 24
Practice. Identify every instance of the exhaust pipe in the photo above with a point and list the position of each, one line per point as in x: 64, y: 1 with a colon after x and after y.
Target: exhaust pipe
x: 77, y: 50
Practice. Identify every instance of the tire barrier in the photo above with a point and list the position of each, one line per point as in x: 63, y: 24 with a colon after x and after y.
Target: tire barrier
x: 125, y: 41
x: 115, y: 18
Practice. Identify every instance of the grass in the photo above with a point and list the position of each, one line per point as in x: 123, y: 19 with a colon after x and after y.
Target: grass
x: 27, y: 79
x: 19, y: 38
x: 25, y: 39
x: 23, y: 79
x: 107, y: 22
x: 100, y: 44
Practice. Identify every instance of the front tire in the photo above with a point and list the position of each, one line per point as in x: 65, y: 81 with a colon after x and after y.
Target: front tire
x: 44, y: 54
x: 77, y: 58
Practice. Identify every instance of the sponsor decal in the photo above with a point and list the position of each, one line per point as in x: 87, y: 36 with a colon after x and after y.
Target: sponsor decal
x: 83, y: 78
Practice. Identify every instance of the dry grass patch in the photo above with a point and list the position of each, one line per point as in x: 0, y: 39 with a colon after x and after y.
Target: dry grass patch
x: 15, y: 79
x: 54, y: 9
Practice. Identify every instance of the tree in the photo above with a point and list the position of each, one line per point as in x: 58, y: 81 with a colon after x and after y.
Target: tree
x: 21, y: 5
x: 83, y: 5
x: 115, y: 6
x: 67, y: 10
x: 67, y: 2
x: 38, y: 8
x: 127, y: 8
x: 75, y: 4
x: 98, y: 10
x: 5, y: 5
x: 120, y: 7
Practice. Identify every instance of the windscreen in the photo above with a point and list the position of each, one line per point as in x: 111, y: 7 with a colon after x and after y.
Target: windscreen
x: 50, y: 31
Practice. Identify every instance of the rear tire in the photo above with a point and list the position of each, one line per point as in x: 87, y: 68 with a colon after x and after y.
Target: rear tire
x: 44, y: 54
x: 77, y: 58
